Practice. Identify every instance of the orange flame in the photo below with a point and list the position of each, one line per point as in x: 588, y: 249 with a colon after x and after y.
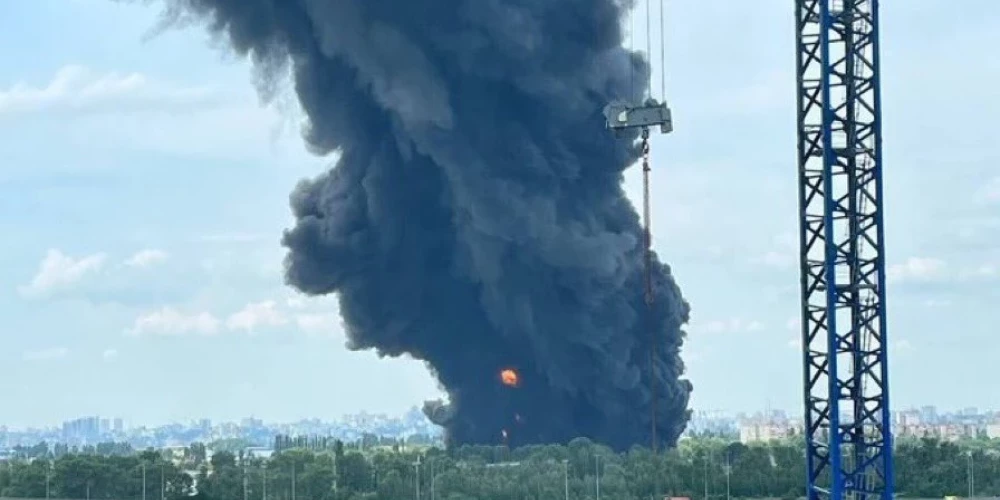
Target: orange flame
x: 509, y: 377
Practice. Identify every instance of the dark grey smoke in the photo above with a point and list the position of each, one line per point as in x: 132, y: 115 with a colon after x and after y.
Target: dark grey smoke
x: 475, y: 218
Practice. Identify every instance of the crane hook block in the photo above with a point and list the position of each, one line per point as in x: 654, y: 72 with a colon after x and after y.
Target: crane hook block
x: 624, y: 116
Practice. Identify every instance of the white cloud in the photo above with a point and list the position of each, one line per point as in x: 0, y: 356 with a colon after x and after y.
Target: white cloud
x: 297, y: 302
x: 765, y: 93
x: 76, y: 87
x: 936, y: 303
x: 234, y: 237
x: 922, y: 269
x: 783, y: 253
x: 46, y: 354
x: 734, y: 325
x: 776, y: 259
x: 146, y: 258
x: 794, y: 323
x: 109, y: 354
x: 990, y: 192
x: 900, y: 346
x: 988, y: 271
x: 319, y: 324
x: 59, y: 271
x: 917, y: 269
x: 169, y: 321
x: 255, y: 315
x: 314, y: 316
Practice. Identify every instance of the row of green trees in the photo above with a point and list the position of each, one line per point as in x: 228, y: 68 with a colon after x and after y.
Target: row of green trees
x: 698, y: 467
x: 95, y: 476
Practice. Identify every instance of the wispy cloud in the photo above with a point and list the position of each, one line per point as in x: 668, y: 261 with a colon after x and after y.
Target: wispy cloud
x: 49, y: 354
x: 314, y: 317
x: 257, y: 315
x: 934, y: 270
x: 78, y: 88
x: 320, y: 324
x: 990, y: 192
x: 234, y: 237
x: 764, y: 94
x: 917, y: 269
x: 782, y: 254
x: 58, y: 271
x: 146, y: 258
x: 936, y: 302
x: 170, y: 321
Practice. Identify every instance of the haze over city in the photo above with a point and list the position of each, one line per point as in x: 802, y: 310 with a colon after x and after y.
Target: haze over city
x: 144, y: 191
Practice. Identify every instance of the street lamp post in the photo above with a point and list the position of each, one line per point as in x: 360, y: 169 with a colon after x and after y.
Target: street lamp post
x: 597, y: 475
x: 971, y: 474
x: 706, y: 476
x: 433, y: 478
x: 729, y: 471
x: 566, y: 478
x: 416, y: 467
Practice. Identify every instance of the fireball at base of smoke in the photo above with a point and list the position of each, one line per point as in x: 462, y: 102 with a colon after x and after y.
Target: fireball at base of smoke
x: 475, y: 218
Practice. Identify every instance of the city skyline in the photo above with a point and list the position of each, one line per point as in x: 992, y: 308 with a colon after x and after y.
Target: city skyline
x: 120, y: 423
x: 145, y: 191
x: 760, y: 426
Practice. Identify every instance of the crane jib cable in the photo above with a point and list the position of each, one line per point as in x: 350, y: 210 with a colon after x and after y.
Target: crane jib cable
x: 648, y: 281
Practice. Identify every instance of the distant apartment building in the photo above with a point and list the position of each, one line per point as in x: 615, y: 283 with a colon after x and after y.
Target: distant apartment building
x: 251, y: 423
x: 768, y: 428
x: 946, y: 432
x: 263, y: 452
x: 907, y: 418
x: 175, y: 454
x: 85, y: 430
x: 993, y: 430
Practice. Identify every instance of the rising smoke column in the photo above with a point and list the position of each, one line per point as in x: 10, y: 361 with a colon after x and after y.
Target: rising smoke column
x: 475, y: 218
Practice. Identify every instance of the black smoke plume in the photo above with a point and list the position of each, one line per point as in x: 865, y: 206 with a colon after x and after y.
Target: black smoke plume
x: 475, y: 218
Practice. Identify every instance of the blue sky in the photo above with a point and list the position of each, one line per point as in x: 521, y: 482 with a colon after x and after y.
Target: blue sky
x: 143, y: 190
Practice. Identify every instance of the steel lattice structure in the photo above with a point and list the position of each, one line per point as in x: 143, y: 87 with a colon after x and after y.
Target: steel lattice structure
x: 848, y: 438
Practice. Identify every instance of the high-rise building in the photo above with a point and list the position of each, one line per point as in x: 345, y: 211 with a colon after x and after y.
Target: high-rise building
x: 82, y: 430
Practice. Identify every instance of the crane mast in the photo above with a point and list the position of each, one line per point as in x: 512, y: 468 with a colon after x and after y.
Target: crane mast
x: 844, y: 346
x: 842, y: 246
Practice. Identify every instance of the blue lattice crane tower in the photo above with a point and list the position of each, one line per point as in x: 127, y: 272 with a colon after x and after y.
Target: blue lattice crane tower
x: 848, y: 437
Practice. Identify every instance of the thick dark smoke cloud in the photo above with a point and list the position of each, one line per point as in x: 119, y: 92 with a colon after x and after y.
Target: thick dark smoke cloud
x: 475, y: 218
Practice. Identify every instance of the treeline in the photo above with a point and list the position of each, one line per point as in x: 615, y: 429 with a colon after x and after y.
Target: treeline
x: 95, y: 476
x: 924, y: 468
x: 43, y: 450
